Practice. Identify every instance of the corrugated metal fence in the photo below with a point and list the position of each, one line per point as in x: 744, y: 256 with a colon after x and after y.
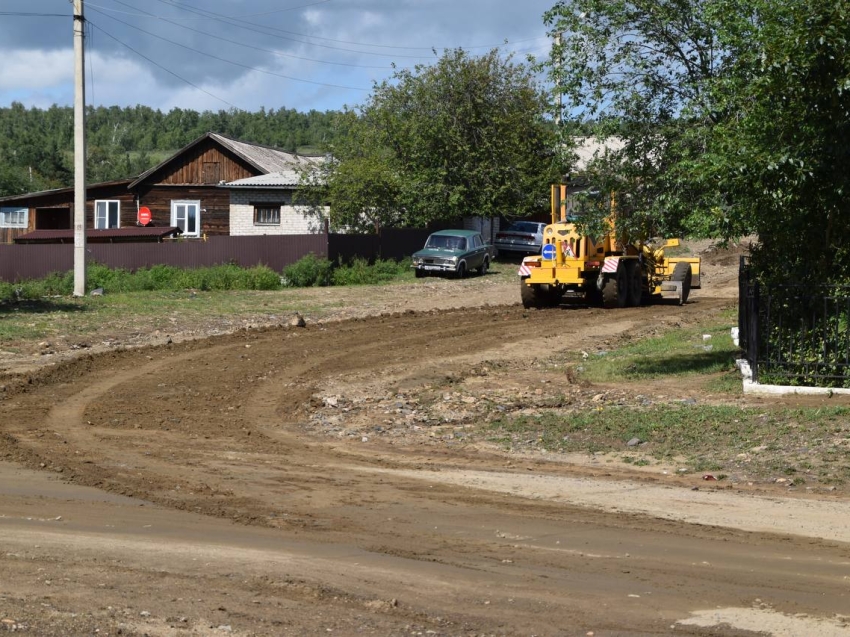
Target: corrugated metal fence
x: 21, y: 262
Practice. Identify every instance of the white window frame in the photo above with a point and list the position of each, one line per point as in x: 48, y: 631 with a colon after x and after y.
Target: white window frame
x: 179, y: 213
x: 11, y: 217
x: 103, y: 211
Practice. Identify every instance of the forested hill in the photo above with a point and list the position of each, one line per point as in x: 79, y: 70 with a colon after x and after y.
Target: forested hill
x: 36, y: 145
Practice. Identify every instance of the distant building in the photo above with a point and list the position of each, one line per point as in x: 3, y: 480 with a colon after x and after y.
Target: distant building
x: 191, y: 190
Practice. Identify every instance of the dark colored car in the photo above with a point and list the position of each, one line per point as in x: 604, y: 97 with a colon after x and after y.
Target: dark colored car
x: 454, y: 252
x: 521, y: 238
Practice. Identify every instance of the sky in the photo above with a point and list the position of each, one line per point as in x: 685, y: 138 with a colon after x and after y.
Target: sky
x: 246, y: 54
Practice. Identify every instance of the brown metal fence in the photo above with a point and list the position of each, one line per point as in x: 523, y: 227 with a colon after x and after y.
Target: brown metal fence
x: 22, y: 262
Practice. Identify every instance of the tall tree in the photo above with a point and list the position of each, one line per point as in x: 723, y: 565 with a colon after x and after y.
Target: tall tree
x: 782, y: 147
x: 465, y: 136
x: 734, y: 117
x: 639, y: 70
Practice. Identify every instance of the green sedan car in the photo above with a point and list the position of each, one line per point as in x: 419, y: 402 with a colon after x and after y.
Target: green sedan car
x: 453, y: 252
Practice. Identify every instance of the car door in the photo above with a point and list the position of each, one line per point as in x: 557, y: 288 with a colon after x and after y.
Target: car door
x: 479, y: 250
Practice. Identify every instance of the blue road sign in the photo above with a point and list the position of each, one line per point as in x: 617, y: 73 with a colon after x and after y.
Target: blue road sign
x: 549, y: 252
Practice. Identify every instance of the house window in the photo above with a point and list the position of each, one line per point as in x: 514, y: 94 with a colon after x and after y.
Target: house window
x: 107, y: 214
x: 266, y: 214
x: 13, y: 217
x: 186, y: 215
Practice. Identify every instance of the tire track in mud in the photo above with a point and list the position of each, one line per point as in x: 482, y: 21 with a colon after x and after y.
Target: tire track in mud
x: 543, y: 564
x: 265, y: 425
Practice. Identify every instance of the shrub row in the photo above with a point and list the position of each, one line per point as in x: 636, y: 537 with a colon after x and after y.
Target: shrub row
x: 308, y: 272
x: 313, y: 271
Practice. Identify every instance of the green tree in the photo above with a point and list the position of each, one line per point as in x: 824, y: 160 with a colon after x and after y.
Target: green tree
x: 782, y: 148
x: 639, y: 71
x: 734, y: 117
x: 465, y: 136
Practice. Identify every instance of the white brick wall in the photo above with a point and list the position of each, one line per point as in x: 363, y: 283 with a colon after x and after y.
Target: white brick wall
x: 293, y: 219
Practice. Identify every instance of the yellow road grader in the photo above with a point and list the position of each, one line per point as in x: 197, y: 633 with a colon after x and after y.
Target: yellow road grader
x: 602, y: 271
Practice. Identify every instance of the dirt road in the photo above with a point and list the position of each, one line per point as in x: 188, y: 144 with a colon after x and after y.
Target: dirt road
x: 280, y: 482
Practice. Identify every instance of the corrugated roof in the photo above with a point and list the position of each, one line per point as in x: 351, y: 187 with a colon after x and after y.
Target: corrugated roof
x: 56, y: 191
x: 279, y: 179
x: 264, y: 158
x: 100, y: 236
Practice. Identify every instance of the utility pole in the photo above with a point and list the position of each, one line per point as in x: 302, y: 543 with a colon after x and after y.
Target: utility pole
x: 79, y: 152
x: 559, y: 106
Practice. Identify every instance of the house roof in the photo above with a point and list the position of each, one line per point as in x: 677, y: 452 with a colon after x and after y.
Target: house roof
x: 265, y: 159
x: 113, y: 235
x: 278, y: 179
x: 588, y: 148
x: 61, y: 191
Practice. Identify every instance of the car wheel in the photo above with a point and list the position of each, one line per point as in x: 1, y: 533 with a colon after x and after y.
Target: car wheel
x: 484, y: 267
x: 461, y: 269
x: 419, y: 273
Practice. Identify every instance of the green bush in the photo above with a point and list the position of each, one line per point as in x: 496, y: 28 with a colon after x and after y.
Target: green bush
x: 158, y: 277
x: 262, y: 277
x: 54, y: 284
x: 309, y: 271
x: 360, y: 272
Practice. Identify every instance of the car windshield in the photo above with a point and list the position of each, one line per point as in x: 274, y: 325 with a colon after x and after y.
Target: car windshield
x: 446, y: 242
x: 522, y: 226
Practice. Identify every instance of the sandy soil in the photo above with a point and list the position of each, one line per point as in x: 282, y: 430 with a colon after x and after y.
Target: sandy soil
x: 327, y: 480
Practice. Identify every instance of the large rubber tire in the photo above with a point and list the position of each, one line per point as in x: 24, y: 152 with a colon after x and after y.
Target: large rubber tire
x: 527, y: 295
x: 615, y: 289
x: 482, y: 270
x: 539, y: 296
x: 592, y: 296
x: 682, y: 272
x: 420, y: 273
x: 461, y: 270
x: 635, y: 283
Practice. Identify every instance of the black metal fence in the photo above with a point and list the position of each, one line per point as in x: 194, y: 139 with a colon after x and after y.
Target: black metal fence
x: 794, y: 334
x: 21, y: 262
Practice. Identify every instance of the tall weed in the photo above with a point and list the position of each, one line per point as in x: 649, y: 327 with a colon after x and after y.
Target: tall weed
x: 309, y: 271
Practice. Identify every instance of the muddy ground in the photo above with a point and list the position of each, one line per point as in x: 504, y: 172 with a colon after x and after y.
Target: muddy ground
x: 337, y: 479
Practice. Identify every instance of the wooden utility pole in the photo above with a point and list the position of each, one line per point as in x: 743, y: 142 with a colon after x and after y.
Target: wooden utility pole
x: 79, y: 152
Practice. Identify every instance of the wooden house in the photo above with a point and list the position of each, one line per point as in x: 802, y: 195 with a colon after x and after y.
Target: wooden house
x: 188, y: 191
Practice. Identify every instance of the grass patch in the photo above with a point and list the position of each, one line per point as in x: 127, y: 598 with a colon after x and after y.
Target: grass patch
x: 678, y: 352
x: 719, y: 438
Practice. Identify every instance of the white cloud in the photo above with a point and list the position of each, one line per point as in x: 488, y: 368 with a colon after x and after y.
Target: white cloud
x: 33, y: 70
x: 368, y: 33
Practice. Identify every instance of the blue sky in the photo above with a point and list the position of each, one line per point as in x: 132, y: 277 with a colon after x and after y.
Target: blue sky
x: 246, y: 54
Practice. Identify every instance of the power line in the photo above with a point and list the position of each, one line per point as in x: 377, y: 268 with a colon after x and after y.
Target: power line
x: 23, y: 14
x: 222, y: 18
x: 221, y: 59
x: 300, y: 6
x: 242, y: 44
x: 257, y: 28
x: 179, y: 77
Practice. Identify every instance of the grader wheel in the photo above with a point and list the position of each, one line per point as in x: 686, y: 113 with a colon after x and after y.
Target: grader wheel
x: 615, y: 289
x: 682, y: 273
x: 539, y: 296
x: 635, y: 283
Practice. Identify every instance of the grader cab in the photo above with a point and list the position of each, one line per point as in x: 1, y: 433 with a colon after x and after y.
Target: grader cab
x: 602, y: 270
